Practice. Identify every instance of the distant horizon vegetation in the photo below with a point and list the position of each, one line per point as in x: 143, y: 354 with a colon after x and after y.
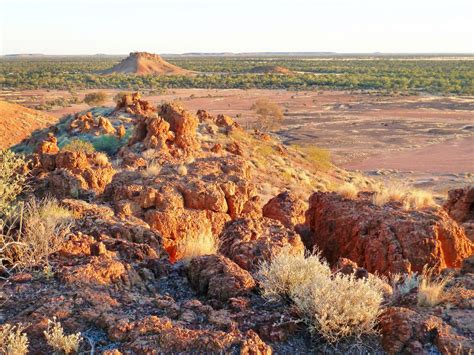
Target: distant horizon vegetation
x: 401, y: 73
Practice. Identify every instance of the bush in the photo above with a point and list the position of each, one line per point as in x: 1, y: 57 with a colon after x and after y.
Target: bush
x: 287, y: 271
x: 333, y: 305
x: 12, y: 181
x: 79, y: 146
x: 107, y: 143
x: 152, y: 169
x: 59, y: 341
x: 95, y: 98
x: 41, y: 233
x: 12, y: 340
x: 269, y: 114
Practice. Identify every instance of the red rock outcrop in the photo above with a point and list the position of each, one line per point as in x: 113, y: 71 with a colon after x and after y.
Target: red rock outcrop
x: 218, y: 277
x: 87, y: 123
x: 48, y: 146
x: 248, y: 242
x: 384, y: 239
x: 183, y: 124
x: 286, y: 208
x: 460, y: 206
x: 406, y: 331
x: 134, y: 105
x: 71, y: 173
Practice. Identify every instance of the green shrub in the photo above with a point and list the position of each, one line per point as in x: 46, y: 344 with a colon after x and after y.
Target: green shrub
x: 95, y: 98
x: 107, y: 143
x: 78, y: 145
x: 12, y: 181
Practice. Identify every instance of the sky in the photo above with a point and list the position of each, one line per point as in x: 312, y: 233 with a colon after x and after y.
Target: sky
x: 180, y: 26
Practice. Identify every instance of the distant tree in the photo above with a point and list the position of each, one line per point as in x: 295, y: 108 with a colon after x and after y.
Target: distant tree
x: 95, y: 98
x: 269, y: 114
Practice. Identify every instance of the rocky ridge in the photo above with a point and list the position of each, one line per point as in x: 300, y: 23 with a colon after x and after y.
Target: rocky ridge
x: 121, y: 279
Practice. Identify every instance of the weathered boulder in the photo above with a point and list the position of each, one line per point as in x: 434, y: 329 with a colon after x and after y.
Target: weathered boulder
x: 286, y: 208
x: 384, y: 239
x: 134, y: 105
x: 183, y: 124
x: 248, y: 242
x: 460, y: 206
x: 406, y: 331
x: 218, y: 277
x: 48, y: 146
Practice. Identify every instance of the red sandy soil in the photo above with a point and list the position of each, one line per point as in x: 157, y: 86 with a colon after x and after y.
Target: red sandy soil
x: 18, y: 122
x: 453, y: 156
x: 363, y: 131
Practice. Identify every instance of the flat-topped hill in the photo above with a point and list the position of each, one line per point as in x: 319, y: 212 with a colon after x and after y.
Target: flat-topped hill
x: 143, y: 63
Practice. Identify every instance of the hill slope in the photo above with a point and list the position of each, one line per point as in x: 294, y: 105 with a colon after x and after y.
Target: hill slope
x: 143, y: 63
x: 18, y: 122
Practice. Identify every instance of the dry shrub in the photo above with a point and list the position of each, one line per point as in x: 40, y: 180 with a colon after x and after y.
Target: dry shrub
x: 40, y: 231
x: 431, y: 288
x: 404, y: 284
x: 334, y: 306
x: 269, y: 114
x: 348, y: 190
x: 101, y: 159
x: 287, y: 271
x: 182, y: 170
x: 79, y: 146
x: 59, y: 341
x: 152, y: 169
x: 95, y: 98
x: 12, y: 340
x: 12, y: 181
x: 204, y: 243
x: 340, y: 307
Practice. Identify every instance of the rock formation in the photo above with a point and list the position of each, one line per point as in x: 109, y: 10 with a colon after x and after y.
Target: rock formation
x: 384, y: 239
x: 143, y: 63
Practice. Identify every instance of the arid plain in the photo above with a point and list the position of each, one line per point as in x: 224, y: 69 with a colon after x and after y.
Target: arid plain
x: 426, y: 141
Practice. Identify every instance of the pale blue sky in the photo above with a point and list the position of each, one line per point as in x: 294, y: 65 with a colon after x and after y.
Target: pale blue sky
x: 177, y: 26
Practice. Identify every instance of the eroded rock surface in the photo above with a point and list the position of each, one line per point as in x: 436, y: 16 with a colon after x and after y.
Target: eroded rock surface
x: 384, y: 239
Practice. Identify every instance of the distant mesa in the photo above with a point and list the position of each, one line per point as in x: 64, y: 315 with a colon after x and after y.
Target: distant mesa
x: 271, y: 69
x: 143, y: 63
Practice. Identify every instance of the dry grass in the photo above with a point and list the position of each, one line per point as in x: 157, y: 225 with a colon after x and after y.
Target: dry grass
x: 431, y: 289
x: 319, y: 159
x: 12, y: 340
x: 412, y: 199
x: 152, y: 169
x: 39, y: 231
x: 205, y: 243
x: 79, y: 146
x: 334, y: 306
x: 348, y: 190
x: 60, y: 342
